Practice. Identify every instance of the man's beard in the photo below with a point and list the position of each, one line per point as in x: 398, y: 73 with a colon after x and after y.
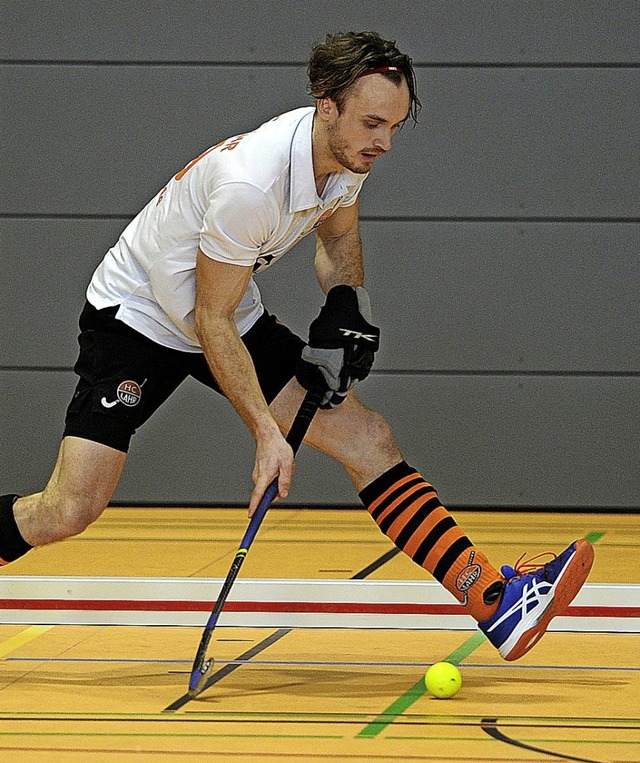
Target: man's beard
x: 338, y: 147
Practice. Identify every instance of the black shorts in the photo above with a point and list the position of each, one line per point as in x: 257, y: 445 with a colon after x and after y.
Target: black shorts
x: 125, y: 377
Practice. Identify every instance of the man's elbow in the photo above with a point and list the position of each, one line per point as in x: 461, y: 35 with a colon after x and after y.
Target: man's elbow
x: 210, y: 322
x: 203, y: 322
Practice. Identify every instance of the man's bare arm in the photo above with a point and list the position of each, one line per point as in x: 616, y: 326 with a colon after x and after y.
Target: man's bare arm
x: 339, y: 250
x: 219, y: 289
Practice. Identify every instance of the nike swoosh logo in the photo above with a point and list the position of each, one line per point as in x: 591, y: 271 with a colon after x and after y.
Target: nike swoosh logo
x: 107, y: 404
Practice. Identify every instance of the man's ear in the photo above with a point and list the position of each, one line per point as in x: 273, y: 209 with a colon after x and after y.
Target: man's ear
x: 326, y: 108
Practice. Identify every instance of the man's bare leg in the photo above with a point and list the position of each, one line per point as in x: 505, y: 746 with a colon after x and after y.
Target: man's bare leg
x: 82, y: 483
x: 403, y: 504
x: 357, y: 437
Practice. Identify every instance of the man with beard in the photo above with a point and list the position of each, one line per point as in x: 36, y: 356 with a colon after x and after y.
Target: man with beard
x: 175, y: 297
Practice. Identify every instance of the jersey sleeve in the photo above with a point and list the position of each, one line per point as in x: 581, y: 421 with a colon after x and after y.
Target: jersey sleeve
x: 239, y: 220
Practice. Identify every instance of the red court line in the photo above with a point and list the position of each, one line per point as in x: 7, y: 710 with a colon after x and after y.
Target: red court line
x: 359, y: 608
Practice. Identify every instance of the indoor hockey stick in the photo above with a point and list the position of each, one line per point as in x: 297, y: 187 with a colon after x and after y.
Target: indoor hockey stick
x: 201, y: 666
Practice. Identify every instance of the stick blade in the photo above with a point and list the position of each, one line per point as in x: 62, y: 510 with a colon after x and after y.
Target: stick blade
x: 199, y: 678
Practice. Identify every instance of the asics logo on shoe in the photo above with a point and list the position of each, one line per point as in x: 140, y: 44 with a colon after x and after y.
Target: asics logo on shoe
x: 358, y: 335
x: 537, y: 595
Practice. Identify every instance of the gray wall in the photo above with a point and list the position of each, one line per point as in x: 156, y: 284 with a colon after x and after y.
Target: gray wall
x: 501, y: 235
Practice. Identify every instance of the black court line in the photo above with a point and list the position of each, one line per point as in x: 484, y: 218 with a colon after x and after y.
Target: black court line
x: 375, y: 565
x: 267, y: 642
x: 490, y: 726
x: 220, y: 674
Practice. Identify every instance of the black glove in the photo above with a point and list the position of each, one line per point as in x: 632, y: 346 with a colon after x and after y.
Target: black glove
x: 342, y: 343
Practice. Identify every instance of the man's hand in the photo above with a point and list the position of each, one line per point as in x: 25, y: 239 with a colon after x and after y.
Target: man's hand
x: 274, y: 458
x: 342, y: 343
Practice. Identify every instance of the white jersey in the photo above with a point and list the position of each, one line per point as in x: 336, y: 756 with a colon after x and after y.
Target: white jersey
x: 245, y: 201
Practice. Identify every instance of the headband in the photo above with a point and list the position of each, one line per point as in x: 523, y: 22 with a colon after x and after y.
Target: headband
x: 382, y: 70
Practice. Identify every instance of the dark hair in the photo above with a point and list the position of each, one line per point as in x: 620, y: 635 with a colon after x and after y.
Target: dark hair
x: 341, y: 59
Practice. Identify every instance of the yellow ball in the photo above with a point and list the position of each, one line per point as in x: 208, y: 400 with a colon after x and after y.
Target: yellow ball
x: 443, y: 680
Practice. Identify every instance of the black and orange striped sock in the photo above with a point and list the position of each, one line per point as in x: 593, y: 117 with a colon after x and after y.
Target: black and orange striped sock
x: 12, y: 544
x: 406, y: 508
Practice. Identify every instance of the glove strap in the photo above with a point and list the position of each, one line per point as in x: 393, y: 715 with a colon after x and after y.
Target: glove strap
x: 364, y: 303
x: 342, y: 296
x: 350, y: 297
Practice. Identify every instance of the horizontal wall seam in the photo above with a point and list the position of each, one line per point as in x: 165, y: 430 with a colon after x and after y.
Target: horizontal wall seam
x: 413, y: 372
x: 363, y: 218
x: 303, y: 64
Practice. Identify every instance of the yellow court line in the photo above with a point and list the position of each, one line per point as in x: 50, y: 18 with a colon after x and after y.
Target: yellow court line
x: 22, y: 638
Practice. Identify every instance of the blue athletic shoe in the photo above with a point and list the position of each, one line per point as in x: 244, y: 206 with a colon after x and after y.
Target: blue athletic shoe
x: 532, y: 598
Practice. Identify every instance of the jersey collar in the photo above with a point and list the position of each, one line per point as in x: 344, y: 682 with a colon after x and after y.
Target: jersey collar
x: 302, y: 184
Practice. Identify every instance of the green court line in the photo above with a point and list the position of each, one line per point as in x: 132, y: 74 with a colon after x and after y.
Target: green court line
x: 413, y: 694
x: 475, y: 739
x: 466, y: 648
x: 393, y: 711
x: 403, y: 703
x: 153, y: 735
x: 508, y: 721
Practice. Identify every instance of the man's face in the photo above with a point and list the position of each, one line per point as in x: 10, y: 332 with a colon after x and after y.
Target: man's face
x: 371, y: 115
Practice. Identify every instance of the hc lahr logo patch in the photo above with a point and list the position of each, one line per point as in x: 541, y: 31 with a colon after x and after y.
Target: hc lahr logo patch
x: 128, y: 393
x: 468, y: 576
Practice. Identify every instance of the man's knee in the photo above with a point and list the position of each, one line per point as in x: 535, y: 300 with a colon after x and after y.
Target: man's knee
x: 82, y: 483
x: 74, y: 513
x: 378, y: 431
x: 358, y: 434
x: 54, y: 515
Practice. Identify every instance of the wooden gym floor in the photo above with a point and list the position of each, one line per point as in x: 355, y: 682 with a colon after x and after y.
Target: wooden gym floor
x: 96, y: 692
